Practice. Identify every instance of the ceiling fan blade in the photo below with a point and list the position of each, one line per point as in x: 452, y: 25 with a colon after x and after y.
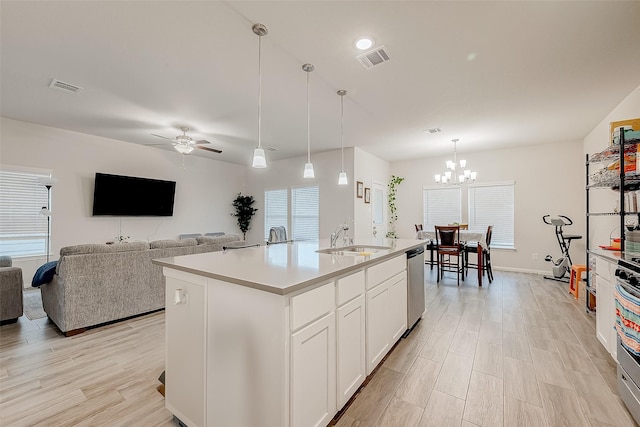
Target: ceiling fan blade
x: 163, y: 137
x: 214, y: 150
x: 202, y: 141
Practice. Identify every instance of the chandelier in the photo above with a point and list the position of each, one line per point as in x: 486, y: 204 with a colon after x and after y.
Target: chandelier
x: 453, y: 175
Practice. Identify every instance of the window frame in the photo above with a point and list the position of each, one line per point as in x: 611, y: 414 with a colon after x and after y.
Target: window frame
x: 508, y: 218
x: 290, y: 215
x: 427, y: 226
x: 21, y: 212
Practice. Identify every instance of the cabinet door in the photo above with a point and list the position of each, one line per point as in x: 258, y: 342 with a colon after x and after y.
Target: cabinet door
x: 377, y: 325
x: 351, y: 367
x: 605, y: 314
x: 313, y: 373
x: 397, y: 309
x: 186, y: 340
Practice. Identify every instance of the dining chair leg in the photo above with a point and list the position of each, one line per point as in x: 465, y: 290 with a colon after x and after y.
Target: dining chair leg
x: 488, y: 266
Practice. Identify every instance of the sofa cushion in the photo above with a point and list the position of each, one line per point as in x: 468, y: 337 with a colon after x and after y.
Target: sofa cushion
x: 216, y: 240
x: 170, y: 243
x: 103, y: 248
x: 44, y: 274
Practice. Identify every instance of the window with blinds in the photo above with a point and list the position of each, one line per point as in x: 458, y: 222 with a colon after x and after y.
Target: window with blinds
x: 301, y: 217
x: 23, y: 230
x: 493, y: 204
x: 305, y: 217
x: 276, y: 204
x: 441, y: 206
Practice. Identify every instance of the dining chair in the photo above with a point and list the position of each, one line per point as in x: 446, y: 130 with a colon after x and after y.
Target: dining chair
x: 472, y: 247
x: 431, y: 247
x: 447, y: 240
x: 462, y: 226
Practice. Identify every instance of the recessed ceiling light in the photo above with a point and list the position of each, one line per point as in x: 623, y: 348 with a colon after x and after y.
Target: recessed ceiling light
x: 364, y: 43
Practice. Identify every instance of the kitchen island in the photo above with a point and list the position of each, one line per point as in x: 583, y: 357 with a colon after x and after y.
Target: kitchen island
x: 279, y: 335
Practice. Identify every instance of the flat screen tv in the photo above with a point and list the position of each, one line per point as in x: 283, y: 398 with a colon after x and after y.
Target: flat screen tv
x: 118, y: 195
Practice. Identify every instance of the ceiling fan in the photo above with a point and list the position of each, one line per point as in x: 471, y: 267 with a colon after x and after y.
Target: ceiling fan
x: 185, y: 144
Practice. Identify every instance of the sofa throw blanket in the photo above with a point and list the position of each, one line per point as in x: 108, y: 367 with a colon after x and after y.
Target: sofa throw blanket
x: 44, y: 274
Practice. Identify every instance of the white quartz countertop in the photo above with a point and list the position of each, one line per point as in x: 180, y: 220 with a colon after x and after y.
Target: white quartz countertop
x: 612, y: 256
x: 286, y: 267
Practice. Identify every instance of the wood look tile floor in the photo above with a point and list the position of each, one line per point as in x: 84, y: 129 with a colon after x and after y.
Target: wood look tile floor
x: 517, y: 352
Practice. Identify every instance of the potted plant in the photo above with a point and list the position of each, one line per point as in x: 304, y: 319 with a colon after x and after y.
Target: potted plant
x: 391, y: 201
x: 244, y: 212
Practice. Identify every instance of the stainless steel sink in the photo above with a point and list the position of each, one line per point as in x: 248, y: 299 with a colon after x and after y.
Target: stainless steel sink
x: 355, y: 250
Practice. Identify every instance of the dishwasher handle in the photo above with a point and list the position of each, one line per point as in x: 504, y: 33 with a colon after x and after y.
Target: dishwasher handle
x: 415, y: 252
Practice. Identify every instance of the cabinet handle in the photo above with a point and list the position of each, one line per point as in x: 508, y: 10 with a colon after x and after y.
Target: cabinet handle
x: 180, y: 297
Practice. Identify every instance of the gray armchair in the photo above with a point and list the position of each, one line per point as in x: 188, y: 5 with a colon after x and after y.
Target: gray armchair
x: 10, y: 291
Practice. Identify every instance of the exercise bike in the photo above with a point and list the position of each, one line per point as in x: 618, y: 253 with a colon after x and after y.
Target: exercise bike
x: 562, y: 265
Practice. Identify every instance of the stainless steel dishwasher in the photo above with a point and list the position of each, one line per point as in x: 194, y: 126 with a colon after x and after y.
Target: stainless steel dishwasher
x: 415, y: 287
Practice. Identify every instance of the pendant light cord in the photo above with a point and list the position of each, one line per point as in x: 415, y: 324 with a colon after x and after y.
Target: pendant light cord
x: 259, y: 90
x: 342, y: 131
x: 308, y: 123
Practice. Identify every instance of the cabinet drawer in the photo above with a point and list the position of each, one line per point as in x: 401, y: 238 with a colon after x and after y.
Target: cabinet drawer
x: 311, y: 305
x: 381, y: 272
x: 349, y: 287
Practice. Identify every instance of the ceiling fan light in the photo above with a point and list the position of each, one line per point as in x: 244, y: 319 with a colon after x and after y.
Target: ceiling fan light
x: 342, y: 178
x: 308, y: 171
x: 183, y: 148
x: 259, y: 159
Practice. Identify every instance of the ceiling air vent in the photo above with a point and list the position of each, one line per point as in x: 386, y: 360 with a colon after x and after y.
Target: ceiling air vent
x: 434, y: 130
x: 67, y: 87
x: 373, y: 57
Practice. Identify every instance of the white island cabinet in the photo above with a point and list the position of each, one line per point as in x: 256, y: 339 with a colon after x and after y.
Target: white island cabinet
x: 606, y: 309
x: 286, y: 346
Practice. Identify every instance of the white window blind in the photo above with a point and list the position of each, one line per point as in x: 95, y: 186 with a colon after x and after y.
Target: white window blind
x: 305, y: 219
x: 275, y: 210
x: 23, y: 230
x: 441, y: 206
x: 493, y: 204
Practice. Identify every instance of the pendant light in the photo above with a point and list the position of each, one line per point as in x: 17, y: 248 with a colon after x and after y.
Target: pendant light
x: 342, y: 178
x: 259, y: 159
x: 308, y: 167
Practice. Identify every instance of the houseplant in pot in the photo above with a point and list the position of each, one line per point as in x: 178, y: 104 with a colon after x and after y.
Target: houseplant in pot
x: 244, y: 212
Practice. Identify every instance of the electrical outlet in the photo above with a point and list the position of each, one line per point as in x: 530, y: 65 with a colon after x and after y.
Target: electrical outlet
x: 535, y: 255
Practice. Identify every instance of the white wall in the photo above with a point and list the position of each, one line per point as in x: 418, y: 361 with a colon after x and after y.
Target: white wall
x: 604, y: 200
x: 548, y: 180
x: 369, y: 169
x: 336, y: 202
x: 205, y: 188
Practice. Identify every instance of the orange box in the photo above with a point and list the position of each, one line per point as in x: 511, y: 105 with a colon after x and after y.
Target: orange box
x: 613, y: 126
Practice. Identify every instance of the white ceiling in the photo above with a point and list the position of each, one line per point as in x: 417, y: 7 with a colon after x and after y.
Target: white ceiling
x: 493, y: 74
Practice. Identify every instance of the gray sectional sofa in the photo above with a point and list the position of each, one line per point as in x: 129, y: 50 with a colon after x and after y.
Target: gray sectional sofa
x: 100, y: 283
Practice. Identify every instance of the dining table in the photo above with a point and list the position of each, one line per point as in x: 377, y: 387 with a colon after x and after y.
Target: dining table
x: 463, y: 236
